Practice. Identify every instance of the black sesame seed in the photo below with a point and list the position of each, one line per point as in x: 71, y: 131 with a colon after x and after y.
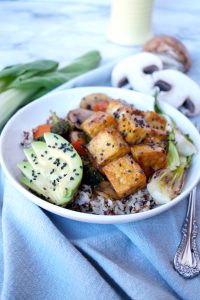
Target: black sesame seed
x: 52, y: 171
x: 54, y: 183
x: 71, y: 178
x: 63, y: 166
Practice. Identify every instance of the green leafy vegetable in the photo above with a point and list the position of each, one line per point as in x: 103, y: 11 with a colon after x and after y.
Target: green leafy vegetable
x: 91, y: 175
x: 39, y: 66
x: 170, y: 123
x: 185, y: 145
x: 173, y: 159
x: 60, y: 126
x: 166, y: 184
x: 157, y: 108
x: 23, y: 83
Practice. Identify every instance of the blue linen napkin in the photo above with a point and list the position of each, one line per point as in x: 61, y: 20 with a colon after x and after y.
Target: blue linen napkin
x: 44, y: 256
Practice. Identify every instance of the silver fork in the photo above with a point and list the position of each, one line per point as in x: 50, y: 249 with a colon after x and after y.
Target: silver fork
x: 187, y: 260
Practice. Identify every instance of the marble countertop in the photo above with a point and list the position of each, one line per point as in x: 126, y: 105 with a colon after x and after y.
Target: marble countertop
x: 63, y: 30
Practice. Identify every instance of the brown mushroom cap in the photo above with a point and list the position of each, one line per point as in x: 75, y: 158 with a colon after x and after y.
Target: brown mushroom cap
x: 170, y: 46
x: 89, y: 101
x: 78, y: 116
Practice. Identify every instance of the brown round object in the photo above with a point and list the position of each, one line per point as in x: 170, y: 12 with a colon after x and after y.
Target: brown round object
x: 78, y: 116
x: 167, y: 46
x: 89, y: 101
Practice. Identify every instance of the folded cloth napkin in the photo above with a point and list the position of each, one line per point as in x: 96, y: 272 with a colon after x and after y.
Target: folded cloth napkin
x: 44, y: 256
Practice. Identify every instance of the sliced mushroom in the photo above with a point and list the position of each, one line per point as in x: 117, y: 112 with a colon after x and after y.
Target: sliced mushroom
x: 137, y: 70
x: 78, y: 116
x: 178, y: 90
x: 89, y: 101
x: 171, y: 51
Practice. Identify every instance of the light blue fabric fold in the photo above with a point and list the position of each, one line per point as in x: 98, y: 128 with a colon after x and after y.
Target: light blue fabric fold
x: 45, y: 256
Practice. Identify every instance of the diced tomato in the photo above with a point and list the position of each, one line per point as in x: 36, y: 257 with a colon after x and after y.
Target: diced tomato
x: 78, y: 140
x: 100, y: 106
x: 40, y: 130
x: 78, y: 145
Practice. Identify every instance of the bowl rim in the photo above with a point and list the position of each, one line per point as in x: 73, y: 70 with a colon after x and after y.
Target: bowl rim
x: 80, y: 216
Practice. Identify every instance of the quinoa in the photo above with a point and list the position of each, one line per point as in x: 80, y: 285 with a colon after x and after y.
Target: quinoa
x: 86, y: 202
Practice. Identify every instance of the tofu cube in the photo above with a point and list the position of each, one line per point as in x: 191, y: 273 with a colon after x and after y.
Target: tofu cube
x: 115, y: 105
x: 97, y: 122
x: 106, y: 146
x: 149, y: 157
x: 154, y: 120
x: 157, y: 136
x: 132, y: 127
x: 125, y: 175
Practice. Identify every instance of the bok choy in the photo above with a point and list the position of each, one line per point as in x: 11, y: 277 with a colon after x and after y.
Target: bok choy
x: 23, y: 83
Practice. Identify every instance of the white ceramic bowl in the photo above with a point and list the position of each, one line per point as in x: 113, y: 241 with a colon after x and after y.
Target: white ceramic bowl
x: 61, y: 102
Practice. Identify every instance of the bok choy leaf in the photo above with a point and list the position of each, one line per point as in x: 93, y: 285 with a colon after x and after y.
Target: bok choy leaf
x: 23, y: 83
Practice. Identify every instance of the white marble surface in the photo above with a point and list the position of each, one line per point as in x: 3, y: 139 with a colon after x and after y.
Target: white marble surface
x: 63, y: 30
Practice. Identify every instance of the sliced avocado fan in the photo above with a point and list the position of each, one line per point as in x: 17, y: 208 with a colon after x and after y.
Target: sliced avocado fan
x: 53, y: 169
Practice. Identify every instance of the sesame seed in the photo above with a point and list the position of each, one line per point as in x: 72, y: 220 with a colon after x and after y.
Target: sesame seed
x: 52, y: 171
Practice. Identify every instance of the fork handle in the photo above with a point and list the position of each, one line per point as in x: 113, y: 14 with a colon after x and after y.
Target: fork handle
x: 186, y: 260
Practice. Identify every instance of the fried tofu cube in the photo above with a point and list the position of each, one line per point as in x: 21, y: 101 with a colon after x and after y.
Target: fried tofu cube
x: 157, y: 136
x: 106, y: 146
x: 115, y: 105
x: 125, y: 175
x: 132, y: 127
x: 154, y: 120
x: 97, y: 122
x: 149, y: 157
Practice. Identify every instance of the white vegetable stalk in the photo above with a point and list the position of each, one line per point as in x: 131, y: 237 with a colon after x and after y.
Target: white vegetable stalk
x: 10, y: 101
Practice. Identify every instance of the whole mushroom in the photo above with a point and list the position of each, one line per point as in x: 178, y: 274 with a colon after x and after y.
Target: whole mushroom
x: 137, y: 71
x: 171, y: 51
x: 178, y: 90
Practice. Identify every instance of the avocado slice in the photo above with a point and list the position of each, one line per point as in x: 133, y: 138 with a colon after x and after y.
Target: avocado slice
x: 54, y: 169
